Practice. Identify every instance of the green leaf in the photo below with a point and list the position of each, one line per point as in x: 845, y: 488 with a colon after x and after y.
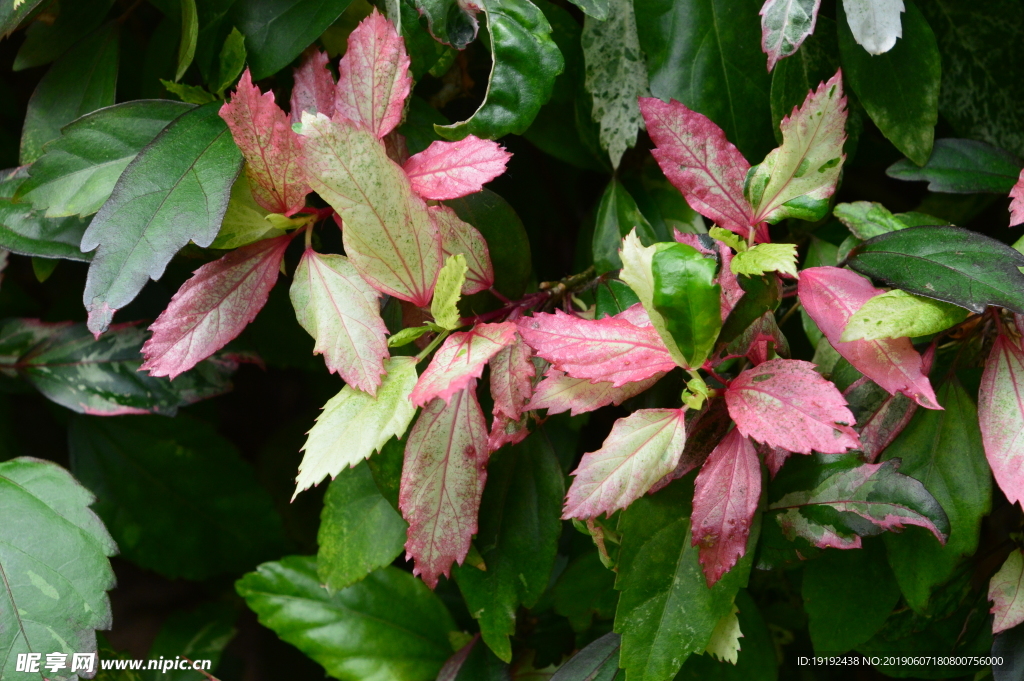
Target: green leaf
x: 277, y: 31
x: 12, y: 14
x: 45, y: 42
x: 176, y: 496
x: 189, y: 37
x: 359, y: 530
x: 756, y: 660
x: 599, y: 661
x: 25, y: 231
x: 231, y: 62
x: 793, y: 77
x: 730, y: 239
x: 598, y: 9
x: 584, y: 591
x: 79, y: 169
x: 638, y: 273
x: 613, y: 297
x: 688, y: 297
x: 866, y: 220
x: 43, y: 268
x: 65, y: 363
x: 388, y: 627
x: 959, y: 166
x: 617, y: 216
x: 200, y: 634
x: 762, y: 294
x: 449, y: 22
x: 946, y: 263
x: 518, y: 537
x: 840, y: 619
x: 764, y: 258
x: 943, y: 450
x: 899, y: 89
x: 898, y: 314
x: 524, y: 63
x: 53, y: 593
x: 447, y: 291
x: 666, y: 611
x: 83, y: 79
x: 245, y: 221
x: 176, y: 190
x: 506, y: 238
x: 192, y: 94
x: 708, y: 56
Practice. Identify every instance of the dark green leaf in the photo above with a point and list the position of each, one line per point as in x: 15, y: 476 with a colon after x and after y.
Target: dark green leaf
x: 761, y: 294
x: 177, y: 496
x: 424, y: 52
x: 794, y: 77
x: 43, y: 268
x: 231, y: 62
x: 82, y: 80
x: 1009, y: 647
x: 517, y: 538
x: 11, y: 15
x: 479, y: 664
x: 359, y: 530
x: 584, y: 590
x: 386, y: 468
x: 617, y: 216
x: 176, y: 190
x: 666, y: 611
x: 756, y: 660
x: 449, y: 22
x: 388, y: 626
x: 200, y: 634
x: 277, y: 31
x: 506, y: 238
x: 79, y: 169
x: 25, y: 231
x: 599, y: 661
x: 45, y: 42
x: 686, y: 295
x: 189, y: 36
x: 524, y: 63
x: 943, y: 450
x: 962, y: 167
x: 946, y: 263
x: 65, y: 363
x: 614, y: 297
x: 214, y: 28
x: 707, y: 54
x: 418, y: 126
x: 53, y: 558
x: 840, y: 619
x: 899, y: 89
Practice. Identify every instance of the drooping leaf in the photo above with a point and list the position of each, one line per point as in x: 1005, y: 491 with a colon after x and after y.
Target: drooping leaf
x: 796, y: 180
x: 960, y: 166
x: 53, y: 592
x: 898, y: 314
x: 458, y: 237
x: 272, y: 153
x: 246, y: 222
x: 1006, y: 591
x: 342, y: 312
x: 442, y: 482
x: 512, y: 373
x: 875, y: 24
x: 460, y: 360
x: 641, y: 449
x: 354, y: 424
x: 447, y: 291
x: 865, y: 220
x: 388, y: 234
x: 25, y: 231
x: 606, y: 350
x: 615, y: 76
x: 558, y: 393
x: 314, y: 89
x: 449, y: 170
x: 78, y: 170
x: 785, y: 24
x: 518, y: 538
x: 831, y: 296
x: 373, y: 76
x: 598, y: 661
x: 947, y: 263
x: 101, y: 377
x: 687, y: 296
x: 617, y: 216
x: 176, y: 190
x: 277, y: 31
x: 697, y: 158
x: 213, y: 307
x: 944, y: 450
x: 785, y: 403
x: 360, y: 530
x: 388, y: 626
x: 175, y: 495
x: 524, y: 63
x: 898, y: 89
x: 1001, y: 416
x: 83, y: 79
x: 449, y: 22
x: 764, y: 258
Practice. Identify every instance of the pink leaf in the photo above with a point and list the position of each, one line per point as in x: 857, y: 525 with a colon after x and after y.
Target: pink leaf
x: 506, y: 431
x: 636, y: 315
x: 461, y: 237
x: 786, y: 403
x: 1017, y: 201
x: 272, y: 153
x: 558, y: 393
x: 831, y: 296
x: 314, y: 86
x: 697, y: 158
x: 213, y: 307
x: 725, y: 498
x: 442, y: 480
x: 641, y: 449
x: 449, y: 170
x: 774, y: 458
x: 512, y: 373
x: 373, y: 76
x: 1006, y: 591
x: 1001, y: 416
x: 609, y: 349
x: 883, y: 426
x: 460, y: 360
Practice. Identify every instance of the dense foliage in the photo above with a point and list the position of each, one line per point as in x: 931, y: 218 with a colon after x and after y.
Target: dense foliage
x: 635, y: 410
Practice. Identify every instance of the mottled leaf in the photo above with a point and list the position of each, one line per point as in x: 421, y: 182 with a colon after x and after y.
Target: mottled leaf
x: 314, y: 88
x: 458, y: 237
x: 447, y: 291
x: 512, y: 373
x: 1001, y: 416
x: 785, y: 24
x: 1017, y: 201
x: 875, y: 24
x: 460, y: 360
x: 1006, y: 591
x: 558, y: 392
x: 960, y: 166
x: 449, y: 170
x: 898, y: 314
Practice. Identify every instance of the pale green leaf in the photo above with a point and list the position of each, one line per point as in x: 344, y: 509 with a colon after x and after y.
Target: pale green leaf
x: 766, y: 258
x: 406, y: 336
x: 193, y: 94
x: 245, y: 221
x: 447, y: 291
x: 638, y: 274
x: 867, y: 219
x: 725, y: 639
x: 898, y: 314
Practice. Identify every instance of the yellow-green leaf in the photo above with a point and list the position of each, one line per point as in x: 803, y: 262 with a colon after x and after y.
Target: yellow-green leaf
x: 898, y: 314
x: 447, y: 291
x: 637, y: 272
x: 245, y: 221
x: 766, y: 258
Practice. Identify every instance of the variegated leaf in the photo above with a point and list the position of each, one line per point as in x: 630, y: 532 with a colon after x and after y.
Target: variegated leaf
x: 450, y: 170
x: 637, y: 272
x: 558, y: 392
x: 460, y: 360
x: 1001, y: 416
x: 1006, y: 591
x: 314, y: 88
x: 461, y: 237
x: 785, y: 24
